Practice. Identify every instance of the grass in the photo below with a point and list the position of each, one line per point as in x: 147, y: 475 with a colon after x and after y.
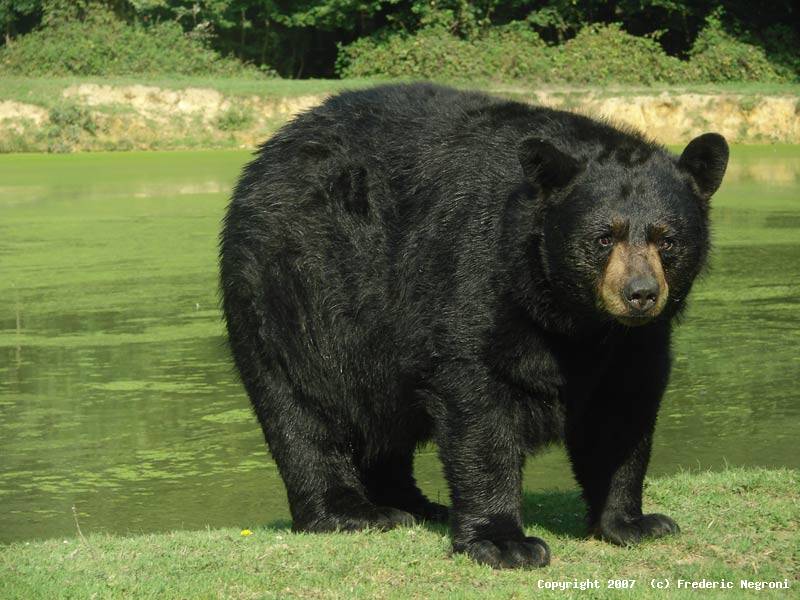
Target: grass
x: 740, y: 524
x: 46, y: 92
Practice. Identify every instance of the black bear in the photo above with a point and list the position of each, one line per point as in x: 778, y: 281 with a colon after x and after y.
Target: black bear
x: 412, y: 262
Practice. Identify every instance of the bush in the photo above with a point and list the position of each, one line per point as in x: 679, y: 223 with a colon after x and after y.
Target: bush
x: 69, y: 125
x: 507, y: 52
x: 103, y: 45
x: 606, y: 53
x: 514, y: 52
x: 717, y: 56
x: 234, y: 119
x: 781, y: 43
x: 598, y: 54
x: 431, y: 53
x: 73, y: 117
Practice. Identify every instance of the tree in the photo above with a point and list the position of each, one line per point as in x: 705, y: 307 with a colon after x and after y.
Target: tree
x: 12, y: 11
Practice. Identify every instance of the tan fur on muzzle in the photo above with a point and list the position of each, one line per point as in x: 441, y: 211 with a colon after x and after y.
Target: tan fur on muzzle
x: 625, y: 262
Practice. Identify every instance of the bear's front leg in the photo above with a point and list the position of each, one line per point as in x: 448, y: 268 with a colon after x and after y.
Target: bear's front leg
x: 611, y: 470
x: 608, y: 437
x: 480, y: 442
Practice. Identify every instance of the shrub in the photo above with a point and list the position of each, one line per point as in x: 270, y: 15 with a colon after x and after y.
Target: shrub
x: 431, y: 53
x: 514, y: 52
x: 234, y: 119
x: 717, y: 56
x: 74, y: 117
x: 69, y: 125
x: 597, y: 54
x: 781, y: 43
x: 103, y: 45
x: 606, y: 53
x: 508, y: 52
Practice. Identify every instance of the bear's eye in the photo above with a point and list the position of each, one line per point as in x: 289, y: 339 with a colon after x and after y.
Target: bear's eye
x: 605, y: 241
x: 666, y: 245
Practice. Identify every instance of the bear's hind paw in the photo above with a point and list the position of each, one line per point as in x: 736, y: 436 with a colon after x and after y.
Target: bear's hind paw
x: 432, y: 512
x: 380, y: 518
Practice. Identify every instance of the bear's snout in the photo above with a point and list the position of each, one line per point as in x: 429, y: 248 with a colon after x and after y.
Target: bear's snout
x: 633, y: 288
x: 641, y: 293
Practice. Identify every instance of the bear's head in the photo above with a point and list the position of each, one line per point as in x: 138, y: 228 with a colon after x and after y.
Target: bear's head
x: 624, y: 225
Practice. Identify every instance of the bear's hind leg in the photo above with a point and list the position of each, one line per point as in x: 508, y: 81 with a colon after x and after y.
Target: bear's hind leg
x: 323, y: 485
x: 389, y: 481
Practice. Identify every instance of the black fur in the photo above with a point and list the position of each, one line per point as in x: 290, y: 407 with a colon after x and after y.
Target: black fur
x: 412, y: 262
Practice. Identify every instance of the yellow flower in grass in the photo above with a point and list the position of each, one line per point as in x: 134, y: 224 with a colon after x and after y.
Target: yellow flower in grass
x: 246, y: 532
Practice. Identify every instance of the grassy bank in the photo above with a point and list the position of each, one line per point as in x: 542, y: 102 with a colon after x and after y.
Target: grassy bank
x: 738, y: 524
x: 122, y: 113
x: 45, y: 91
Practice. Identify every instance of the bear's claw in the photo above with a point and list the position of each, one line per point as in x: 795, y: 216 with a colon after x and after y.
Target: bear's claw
x: 527, y: 553
x: 626, y: 531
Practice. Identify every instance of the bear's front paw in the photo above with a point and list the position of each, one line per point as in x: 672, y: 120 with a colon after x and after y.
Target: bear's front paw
x: 525, y: 553
x: 626, y: 531
x: 381, y: 518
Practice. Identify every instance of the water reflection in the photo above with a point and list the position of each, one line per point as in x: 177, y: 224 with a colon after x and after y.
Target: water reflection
x: 117, y: 395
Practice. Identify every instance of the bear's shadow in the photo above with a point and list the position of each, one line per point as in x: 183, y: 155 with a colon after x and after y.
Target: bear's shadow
x: 558, y: 512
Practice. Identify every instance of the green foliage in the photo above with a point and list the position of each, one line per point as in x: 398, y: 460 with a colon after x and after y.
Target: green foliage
x: 10, y: 10
x: 103, y: 45
x: 782, y: 46
x: 509, y: 52
x: 325, y: 14
x: 55, y: 12
x: 606, y: 53
x: 647, y: 40
x: 432, y: 50
x: 597, y: 54
x: 68, y: 124
x: 71, y: 115
x: 235, y: 118
x: 718, y: 56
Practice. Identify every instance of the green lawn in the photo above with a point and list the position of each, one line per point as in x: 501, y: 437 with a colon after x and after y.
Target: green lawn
x: 46, y: 92
x: 738, y: 524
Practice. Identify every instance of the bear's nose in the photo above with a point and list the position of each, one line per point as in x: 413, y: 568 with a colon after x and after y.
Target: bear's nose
x: 641, y: 293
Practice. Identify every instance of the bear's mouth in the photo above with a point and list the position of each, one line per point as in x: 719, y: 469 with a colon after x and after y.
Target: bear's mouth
x: 633, y: 320
x: 631, y: 317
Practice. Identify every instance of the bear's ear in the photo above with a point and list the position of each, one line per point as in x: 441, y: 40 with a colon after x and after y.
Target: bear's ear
x: 705, y: 159
x: 545, y: 164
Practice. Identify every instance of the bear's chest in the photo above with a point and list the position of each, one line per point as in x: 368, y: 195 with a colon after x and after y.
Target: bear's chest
x: 557, y: 370
x: 532, y: 365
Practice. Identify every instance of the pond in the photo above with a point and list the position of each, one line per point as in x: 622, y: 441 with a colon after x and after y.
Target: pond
x: 117, y: 395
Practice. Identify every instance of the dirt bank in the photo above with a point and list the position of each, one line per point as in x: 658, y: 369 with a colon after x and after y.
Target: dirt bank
x: 99, y: 116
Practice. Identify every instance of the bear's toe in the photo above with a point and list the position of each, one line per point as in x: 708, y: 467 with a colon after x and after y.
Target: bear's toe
x: 390, y: 517
x: 626, y: 531
x: 381, y: 518
x: 527, y: 553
